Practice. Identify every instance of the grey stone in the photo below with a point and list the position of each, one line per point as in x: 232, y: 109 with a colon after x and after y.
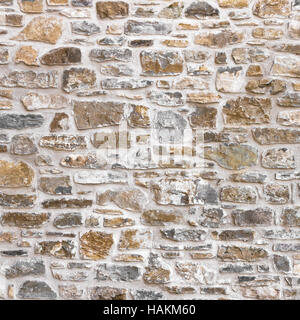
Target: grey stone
x: 113, y: 54
x: 68, y: 220
x: 85, y: 28
x: 117, y: 273
x: 131, y: 84
x: 282, y: 263
x: 78, y: 78
x: 166, y: 99
x: 22, y: 145
x: 253, y: 217
x: 36, y: 290
x: 236, y: 268
x: 25, y: 268
x: 20, y: 121
x: 147, y: 28
x: 184, y: 234
x: 142, y: 294
x: 201, y: 10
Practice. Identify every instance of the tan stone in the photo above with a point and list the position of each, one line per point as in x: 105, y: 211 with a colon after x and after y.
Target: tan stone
x: 176, y: 43
x: 112, y: 9
x: 135, y: 239
x: 272, y: 8
x: 233, y: 3
x: 247, y: 111
x: 27, y: 55
x: 254, y: 71
x: 24, y: 219
x: 95, y: 245
x: 31, y: 6
x: 14, y: 174
x: 219, y: 39
x: 267, y: 33
x: 286, y: 67
x: 43, y: 29
x: 203, y: 98
x: 235, y: 253
x: 204, y: 117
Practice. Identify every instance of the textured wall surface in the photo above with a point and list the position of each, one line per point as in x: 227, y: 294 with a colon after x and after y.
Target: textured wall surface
x: 148, y: 149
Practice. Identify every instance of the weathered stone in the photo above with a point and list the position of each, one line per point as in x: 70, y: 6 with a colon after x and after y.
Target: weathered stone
x: 238, y: 194
x: 68, y: 220
x: 204, y: 117
x: 118, y: 222
x: 94, y: 114
x: 286, y: 67
x: 245, y: 55
x: 233, y: 156
x: 14, y: 175
x: 78, y: 78
x: 289, y: 100
x: 248, y: 177
x: 55, y: 185
x: 212, y: 217
x: 59, y: 2
x: 203, y: 98
x: 107, y: 293
x: 66, y: 203
x: 61, y: 56
x: 190, y: 83
x: 87, y: 177
x: 75, y: 13
x: 253, y: 217
x: 62, y: 249
x: 70, y: 292
x: 116, y: 70
x: 290, y: 48
x: 131, y: 199
x: 124, y: 257
x: 117, y: 84
x: 282, y: 234
x: 290, y: 217
x: 85, y: 28
x: 20, y: 121
x: 166, y: 99
x: 89, y: 161
x: 254, y: 70
x: 294, y: 27
x: 140, y: 43
x: 201, y: 10
x: 266, y: 136
x: 235, y: 253
x: 133, y: 27
x: 60, y: 122
x: 24, y: 219
x: 95, y: 245
x: 272, y: 8
x: 142, y: 294
x: 22, y: 145
x: 282, y: 263
x: 113, y: 54
x: 160, y: 218
x: 32, y: 289
x: 267, y: 33
x: 131, y: 239
x: 118, y: 273
x: 173, y: 11
x: 63, y: 142
x: 24, y: 268
x: 219, y: 39
x: 27, y: 55
x: 182, y: 192
x: 233, y: 3
x: 112, y: 9
x: 184, y: 234
x: 161, y: 63
x: 230, y: 80
x: 17, y: 201
x: 247, y: 111
x: 31, y: 6
x: 261, y: 293
x: 30, y: 79
x: 43, y: 29
x: 34, y: 101
x: 112, y: 41
x: 156, y: 272
x: 276, y: 193
x: 286, y: 247
x: 139, y: 117
x: 236, y: 268
x: 278, y: 158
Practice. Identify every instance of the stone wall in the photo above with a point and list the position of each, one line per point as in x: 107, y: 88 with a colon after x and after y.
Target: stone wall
x: 149, y: 149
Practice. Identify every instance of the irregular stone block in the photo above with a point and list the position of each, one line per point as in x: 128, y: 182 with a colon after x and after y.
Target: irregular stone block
x: 78, y: 78
x: 14, y: 175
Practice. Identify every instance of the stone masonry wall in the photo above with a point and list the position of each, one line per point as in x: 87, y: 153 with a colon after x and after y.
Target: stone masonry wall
x: 149, y: 149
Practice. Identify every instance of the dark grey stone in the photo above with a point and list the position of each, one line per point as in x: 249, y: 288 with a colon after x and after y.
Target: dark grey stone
x: 36, y: 290
x: 20, y: 121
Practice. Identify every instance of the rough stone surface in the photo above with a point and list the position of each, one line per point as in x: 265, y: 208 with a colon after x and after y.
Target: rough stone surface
x: 149, y: 149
